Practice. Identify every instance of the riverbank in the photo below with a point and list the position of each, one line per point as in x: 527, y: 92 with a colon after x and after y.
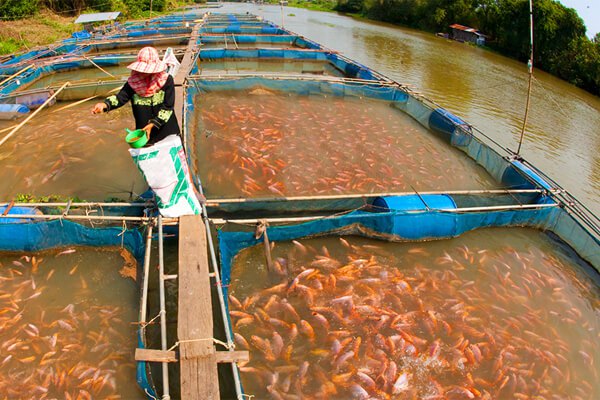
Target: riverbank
x: 316, y: 5
x: 42, y: 29
x: 47, y: 27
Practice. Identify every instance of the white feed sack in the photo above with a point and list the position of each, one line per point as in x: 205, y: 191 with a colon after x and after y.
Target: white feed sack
x: 165, y: 169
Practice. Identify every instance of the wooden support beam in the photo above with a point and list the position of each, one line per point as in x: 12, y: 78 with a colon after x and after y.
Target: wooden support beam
x: 199, y: 379
x: 232, y: 356
x: 160, y: 356
x: 155, y: 355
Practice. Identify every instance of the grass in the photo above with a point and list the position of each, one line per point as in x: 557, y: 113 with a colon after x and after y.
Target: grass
x: 316, y: 5
x: 45, y: 28
x: 9, y: 46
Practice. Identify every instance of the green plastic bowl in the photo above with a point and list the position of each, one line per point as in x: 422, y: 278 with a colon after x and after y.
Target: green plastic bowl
x: 137, y: 138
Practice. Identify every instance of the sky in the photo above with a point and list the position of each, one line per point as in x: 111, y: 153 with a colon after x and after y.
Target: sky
x: 589, y: 11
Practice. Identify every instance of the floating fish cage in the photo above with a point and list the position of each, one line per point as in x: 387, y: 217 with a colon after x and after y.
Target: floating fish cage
x: 124, y: 46
x: 440, y: 305
x: 341, y: 294
x: 363, y: 242
x: 84, y: 328
x: 278, y: 61
x: 248, y: 138
x: 236, y: 41
x: 262, y: 29
x: 77, y: 166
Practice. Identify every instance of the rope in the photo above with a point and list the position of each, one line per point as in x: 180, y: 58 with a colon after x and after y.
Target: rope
x: 99, y: 67
x: 145, y: 324
x: 122, y: 234
x: 338, y: 214
x: 213, y: 340
x: 244, y: 396
x: 149, y: 395
x: 558, y: 106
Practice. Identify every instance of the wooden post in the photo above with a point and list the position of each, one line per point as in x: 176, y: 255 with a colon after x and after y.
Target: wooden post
x: 199, y: 379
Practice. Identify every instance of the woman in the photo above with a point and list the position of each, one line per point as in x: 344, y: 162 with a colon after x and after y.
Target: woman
x: 152, y: 94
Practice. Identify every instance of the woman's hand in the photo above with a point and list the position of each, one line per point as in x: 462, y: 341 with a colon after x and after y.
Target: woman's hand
x: 99, y: 108
x: 148, y: 129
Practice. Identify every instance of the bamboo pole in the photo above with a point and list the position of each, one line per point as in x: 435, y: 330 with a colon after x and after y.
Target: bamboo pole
x: 16, y: 128
x: 220, y: 221
x: 74, y: 205
x: 99, y: 67
x: 83, y: 101
x: 8, y: 128
x: 217, y: 202
x: 224, y: 314
x: 147, y: 253
x: 15, y: 74
x: 163, y: 308
x: 166, y: 221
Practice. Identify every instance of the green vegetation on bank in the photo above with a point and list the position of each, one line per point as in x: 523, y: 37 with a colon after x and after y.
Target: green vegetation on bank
x: 560, y: 43
x: 316, y: 5
x: 28, y: 23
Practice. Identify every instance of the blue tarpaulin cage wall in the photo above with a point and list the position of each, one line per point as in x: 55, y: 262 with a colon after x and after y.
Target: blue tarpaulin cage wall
x: 349, y: 68
x: 38, y: 236
x: 36, y: 73
x: 411, y: 226
x: 283, y: 40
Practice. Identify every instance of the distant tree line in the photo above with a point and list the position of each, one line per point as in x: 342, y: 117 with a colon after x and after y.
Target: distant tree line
x: 560, y: 44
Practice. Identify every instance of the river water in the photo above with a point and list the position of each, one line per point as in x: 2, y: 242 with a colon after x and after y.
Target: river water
x: 484, y: 88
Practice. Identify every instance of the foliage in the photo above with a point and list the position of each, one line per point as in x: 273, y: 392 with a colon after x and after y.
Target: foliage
x: 14, y: 9
x: 560, y: 44
x: 317, y: 5
x: 53, y: 198
x: 9, y: 46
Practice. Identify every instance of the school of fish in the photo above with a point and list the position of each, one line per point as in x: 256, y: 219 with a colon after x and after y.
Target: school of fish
x: 359, y: 319
x: 259, y: 143
x: 49, y: 350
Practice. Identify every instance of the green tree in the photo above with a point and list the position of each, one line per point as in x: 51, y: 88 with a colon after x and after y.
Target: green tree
x: 352, y: 6
x: 14, y: 9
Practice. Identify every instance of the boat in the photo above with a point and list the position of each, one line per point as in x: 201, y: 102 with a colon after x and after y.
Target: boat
x: 233, y: 56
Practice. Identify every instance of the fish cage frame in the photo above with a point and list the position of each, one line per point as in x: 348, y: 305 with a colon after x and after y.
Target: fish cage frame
x: 557, y: 201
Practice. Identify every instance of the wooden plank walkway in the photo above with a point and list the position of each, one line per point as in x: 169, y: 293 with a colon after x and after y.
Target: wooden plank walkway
x: 198, y: 357
x: 188, y: 57
x: 199, y: 379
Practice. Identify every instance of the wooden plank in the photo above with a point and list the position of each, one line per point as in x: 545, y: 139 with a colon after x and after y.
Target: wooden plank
x: 155, y: 355
x: 188, y: 57
x: 232, y: 356
x: 188, y: 352
x: 199, y: 379
x: 184, y: 69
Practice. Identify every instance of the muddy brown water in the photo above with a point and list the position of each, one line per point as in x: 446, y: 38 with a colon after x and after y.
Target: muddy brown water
x: 484, y: 88
x: 71, y: 153
x: 262, y: 143
x: 276, y: 67
x: 494, y: 314
x: 66, y: 318
x: 80, y: 75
